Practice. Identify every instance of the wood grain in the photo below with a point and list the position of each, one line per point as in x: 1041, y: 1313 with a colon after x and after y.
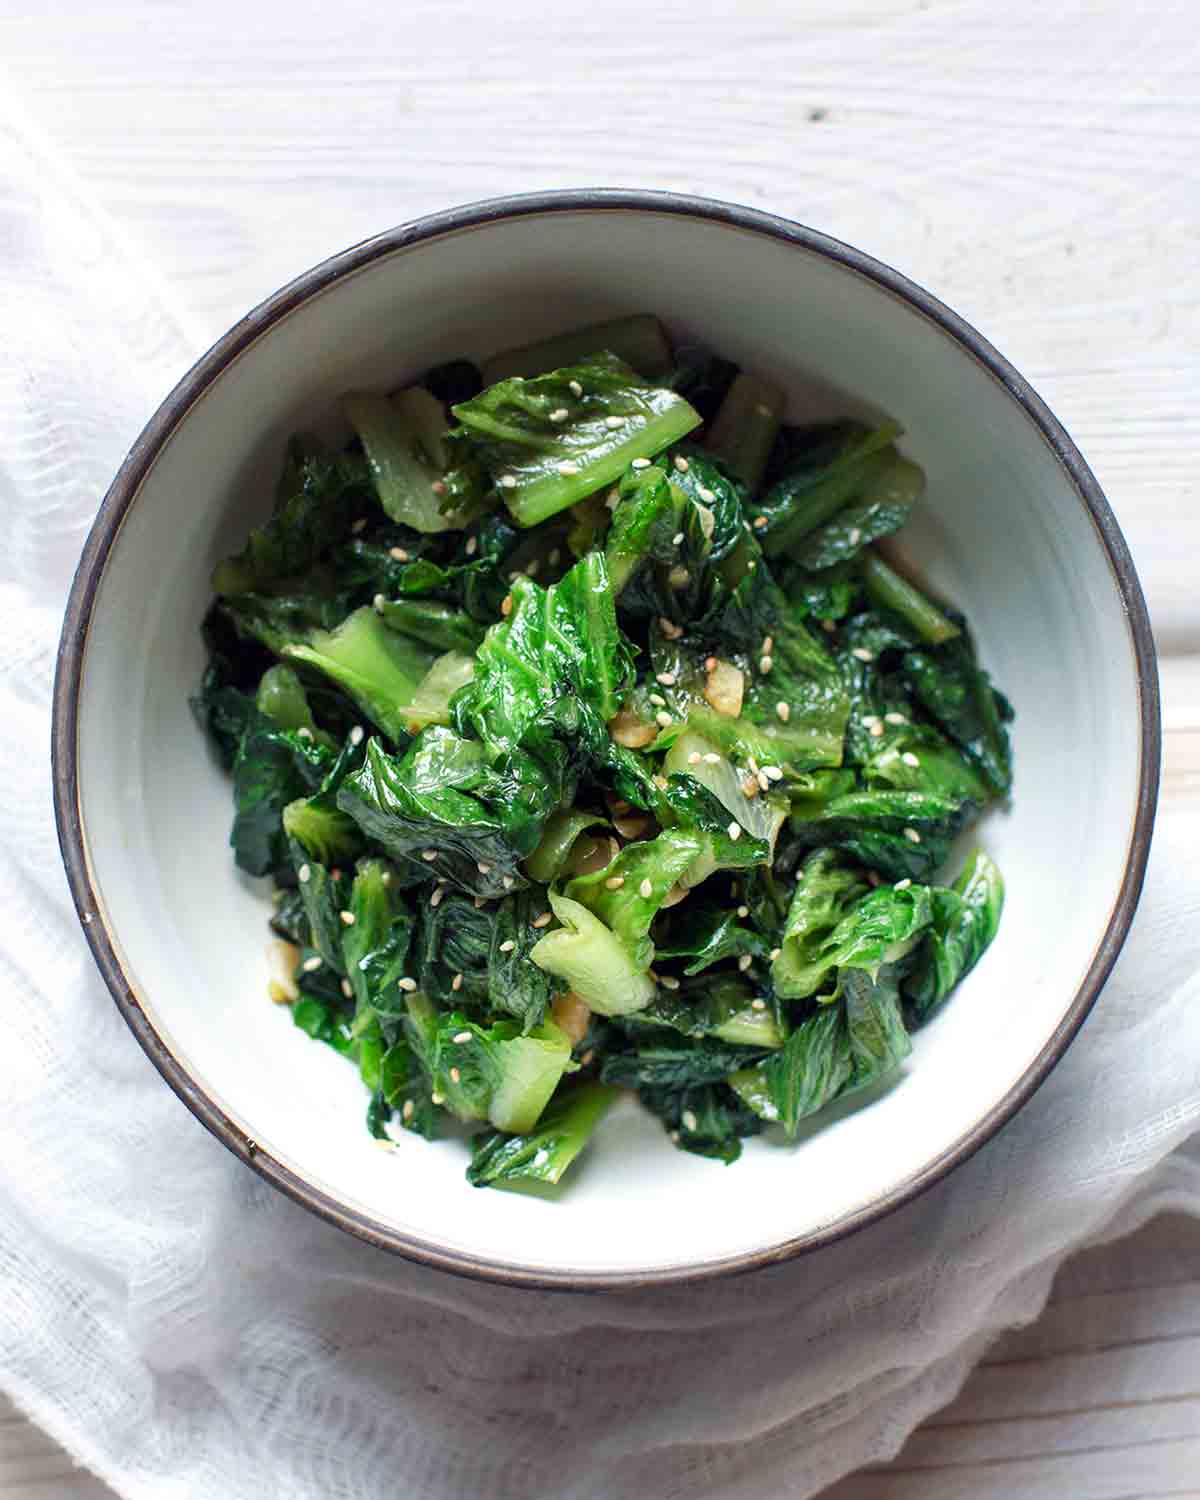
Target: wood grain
x: 1098, y: 1400
x: 1033, y: 164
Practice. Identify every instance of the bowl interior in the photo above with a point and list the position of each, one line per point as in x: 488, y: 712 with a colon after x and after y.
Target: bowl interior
x: 1002, y: 531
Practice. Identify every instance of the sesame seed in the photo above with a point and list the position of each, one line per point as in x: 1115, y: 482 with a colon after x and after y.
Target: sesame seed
x: 575, y: 388
x: 912, y: 835
x: 483, y: 867
x: 615, y: 882
x: 855, y: 537
x: 828, y: 626
x: 640, y: 463
x: 471, y: 549
x: 559, y: 414
x: 774, y: 954
x: 436, y: 899
x: 666, y: 678
x: 347, y: 989
x: 507, y: 882
x: 568, y: 467
x: 507, y: 945
x: 682, y: 465
x: 398, y: 553
x: 688, y: 1120
x: 438, y: 487
x: 303, y: 874
x: 768, y: 645
x: 661, y: 783
x: 760, y: 522
x: 764, y: 781
x: 429, y: 855
x: 744, y: 962
x: 554, y: 557
x: 773, y: 773
x: 359, y: 525
x: 758, y: 1005
x: 734, y: 830
x: 378, y: 602
x: 348, y: 918
x: 407, y: 985
x: 386, y: 877
x: 480, y: 903
x: 304, y: 733
x: 658, y: 700
x: 675, y: 1136
x: 706, y: 495
x: 543, y: 920
x: 694, y: 758
x: 863, y: 654
x: 506, y: 605
x: 711, y: 758
x: 710, y: 663
x: 531, y: 570
x: 612, y: 499
x: 783, y: 710
x: 764, y: 411
x: 902, y: 885
x: 514, y: 575
x: 436, y: 1099
x: 669, y: 629
x: 645, y: 890
x: 311, y: 965
x: 677, y: 539
x: 750, y: 785
x: 612, y: 423
x: 743, y: 911
x: 455, y: 1076
x: 508, y: 481
x: 588, y: 1057
x: 875, y: 728
x: 407, y: 1112
x: 753, y: 764
x: 910, y: 759
x: 765, y: 665
x: 663, y: 719
x: 895, y: 718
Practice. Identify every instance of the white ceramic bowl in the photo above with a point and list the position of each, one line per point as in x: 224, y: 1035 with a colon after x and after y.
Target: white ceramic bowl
x: 1013, y: 526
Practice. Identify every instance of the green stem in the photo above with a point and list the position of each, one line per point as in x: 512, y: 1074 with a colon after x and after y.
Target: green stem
x: 888, y: 590
x: 745, y: 428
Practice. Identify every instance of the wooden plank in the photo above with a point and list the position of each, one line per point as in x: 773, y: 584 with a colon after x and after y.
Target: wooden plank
x: 34, y: 1467
x: 1033, y: 165
x: 1037, y: 173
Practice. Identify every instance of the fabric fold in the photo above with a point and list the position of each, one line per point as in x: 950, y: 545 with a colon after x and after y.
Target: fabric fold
x: 186, y: 1331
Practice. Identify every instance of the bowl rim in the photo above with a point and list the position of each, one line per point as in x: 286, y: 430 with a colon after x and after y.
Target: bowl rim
x: 123, y: 493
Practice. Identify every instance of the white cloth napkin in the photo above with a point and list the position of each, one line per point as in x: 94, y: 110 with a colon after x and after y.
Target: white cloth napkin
x: 186, y: 1331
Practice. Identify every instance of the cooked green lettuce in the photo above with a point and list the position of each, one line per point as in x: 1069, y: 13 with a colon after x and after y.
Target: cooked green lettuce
x: 590, y: 744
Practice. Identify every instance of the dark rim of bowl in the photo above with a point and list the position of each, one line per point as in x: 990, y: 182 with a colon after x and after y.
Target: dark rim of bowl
x: 123, y: 492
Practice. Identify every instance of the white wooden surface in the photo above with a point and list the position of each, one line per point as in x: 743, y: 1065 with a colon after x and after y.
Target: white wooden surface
x: 1034, y: 164
x: 1099, y: 1400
